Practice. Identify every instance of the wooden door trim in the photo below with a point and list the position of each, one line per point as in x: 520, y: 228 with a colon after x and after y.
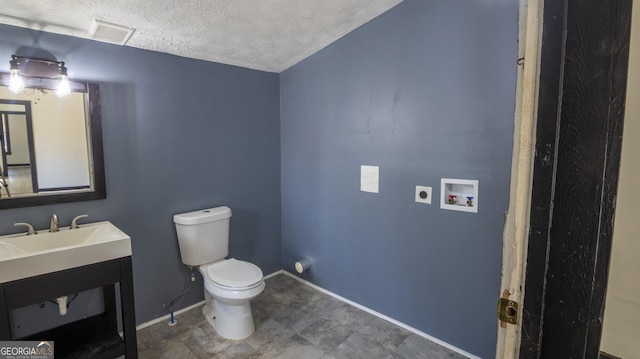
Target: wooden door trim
x: 578, y: 143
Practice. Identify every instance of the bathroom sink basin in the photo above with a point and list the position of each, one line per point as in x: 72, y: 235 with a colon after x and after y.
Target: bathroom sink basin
x: 23, y: 256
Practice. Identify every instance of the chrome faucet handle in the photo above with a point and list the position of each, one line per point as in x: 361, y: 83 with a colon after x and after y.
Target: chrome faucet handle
x: 74, y: 222
x: 30, y: 229
x: 53, y: 226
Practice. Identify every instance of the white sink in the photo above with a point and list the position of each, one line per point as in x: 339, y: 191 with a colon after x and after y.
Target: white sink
x: 23, y: 256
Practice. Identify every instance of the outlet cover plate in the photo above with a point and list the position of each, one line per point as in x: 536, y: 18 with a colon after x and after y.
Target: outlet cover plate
x: 427, y: 190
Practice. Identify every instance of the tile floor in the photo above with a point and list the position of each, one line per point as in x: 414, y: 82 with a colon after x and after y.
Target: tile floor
x: 293, y: 320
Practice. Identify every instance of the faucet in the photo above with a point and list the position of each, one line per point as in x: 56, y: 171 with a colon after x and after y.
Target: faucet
x: 53, y: 227
x: 74, y: 223
x: 30, y: 229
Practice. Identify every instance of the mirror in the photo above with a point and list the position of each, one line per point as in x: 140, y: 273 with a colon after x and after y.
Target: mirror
x: 51, y: 147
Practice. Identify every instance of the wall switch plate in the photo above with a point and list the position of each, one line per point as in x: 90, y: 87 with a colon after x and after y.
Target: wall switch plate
x: 423, y: 194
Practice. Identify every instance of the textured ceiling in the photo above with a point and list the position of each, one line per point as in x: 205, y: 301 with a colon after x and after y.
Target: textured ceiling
x: 268, y: 35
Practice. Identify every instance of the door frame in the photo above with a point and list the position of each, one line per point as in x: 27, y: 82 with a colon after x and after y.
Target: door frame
x: 514, y: 249
x: 580, y: 97
x: 30, y: 140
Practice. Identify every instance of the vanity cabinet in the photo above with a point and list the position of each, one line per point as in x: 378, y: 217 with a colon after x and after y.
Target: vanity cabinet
x: 93, y: 337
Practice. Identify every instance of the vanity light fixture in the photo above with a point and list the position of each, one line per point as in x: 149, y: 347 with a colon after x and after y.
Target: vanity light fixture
x: 16, y: 84
x: 34, y: 67
x: 63, y: 87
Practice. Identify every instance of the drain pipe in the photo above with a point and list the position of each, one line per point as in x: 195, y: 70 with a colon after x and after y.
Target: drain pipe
x: 172, y: 320
x: 63, y: 303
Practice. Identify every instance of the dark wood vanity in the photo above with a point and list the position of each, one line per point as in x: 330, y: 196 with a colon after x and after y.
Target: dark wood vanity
x: 95, y: 337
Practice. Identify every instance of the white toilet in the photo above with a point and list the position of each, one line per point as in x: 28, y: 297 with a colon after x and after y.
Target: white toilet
x: 229, y: 284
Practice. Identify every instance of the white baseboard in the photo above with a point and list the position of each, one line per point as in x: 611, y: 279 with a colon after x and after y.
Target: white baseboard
x: 381, y: 316
x: 274, y: 274
x: 371, y: 311
x: 168, y: 316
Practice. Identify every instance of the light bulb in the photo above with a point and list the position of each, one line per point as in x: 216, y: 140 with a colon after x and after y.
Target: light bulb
x: 16, y: 83
x: 63, y: 87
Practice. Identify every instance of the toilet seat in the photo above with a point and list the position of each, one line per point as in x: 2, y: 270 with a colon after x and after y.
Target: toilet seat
x: 234, y: 274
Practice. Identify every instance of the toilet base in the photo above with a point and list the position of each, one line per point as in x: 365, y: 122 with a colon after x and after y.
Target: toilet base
x: 229, y: 321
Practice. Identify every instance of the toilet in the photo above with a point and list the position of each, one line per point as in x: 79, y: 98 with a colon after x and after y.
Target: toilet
x: 229, y: 284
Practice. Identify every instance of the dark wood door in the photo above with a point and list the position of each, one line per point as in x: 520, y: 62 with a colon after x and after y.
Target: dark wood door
x: 578, y: 144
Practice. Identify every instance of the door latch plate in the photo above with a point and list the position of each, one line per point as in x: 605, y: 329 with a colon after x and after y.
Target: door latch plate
x: 507, y: 311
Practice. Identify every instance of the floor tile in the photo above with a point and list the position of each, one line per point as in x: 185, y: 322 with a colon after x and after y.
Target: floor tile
x: 298, y: 319
x: 269, y: 334
x: 358, y: 347
x: 327, y: 334
x: 204, y: 343
x: 382, y: 332
x: 153, y: 335
x: 186, y: 321
x: 293, y: 320
x: 295, y: 348
x: 416, y: 346
x: 350, y: 316
x: 170, y: 349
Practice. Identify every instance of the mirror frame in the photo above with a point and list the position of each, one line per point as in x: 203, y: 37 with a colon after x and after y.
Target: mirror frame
x: 95, y: 124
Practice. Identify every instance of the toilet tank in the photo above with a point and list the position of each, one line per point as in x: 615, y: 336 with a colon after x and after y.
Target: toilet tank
x: 203, y: 236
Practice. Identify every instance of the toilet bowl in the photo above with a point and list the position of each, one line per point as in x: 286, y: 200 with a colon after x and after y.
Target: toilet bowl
x: 230, y: 285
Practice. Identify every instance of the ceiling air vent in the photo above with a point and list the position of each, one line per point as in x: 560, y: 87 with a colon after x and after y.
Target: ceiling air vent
x: 111, y: 33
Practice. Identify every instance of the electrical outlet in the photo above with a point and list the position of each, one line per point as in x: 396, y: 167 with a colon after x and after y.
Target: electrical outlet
x: 423, y: 194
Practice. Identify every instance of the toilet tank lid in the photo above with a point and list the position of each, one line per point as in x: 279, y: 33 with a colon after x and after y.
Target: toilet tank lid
x: 202, y: 216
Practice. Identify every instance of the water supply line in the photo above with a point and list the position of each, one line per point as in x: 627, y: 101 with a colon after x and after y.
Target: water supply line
x: 172, y: 320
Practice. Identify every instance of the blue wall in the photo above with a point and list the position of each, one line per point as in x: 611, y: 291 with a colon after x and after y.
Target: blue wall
x: 179, y: 135
x: 425, y: 91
